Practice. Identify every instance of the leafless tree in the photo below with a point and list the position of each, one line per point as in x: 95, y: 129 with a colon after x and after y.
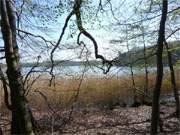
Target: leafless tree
x: 21, y: 118
x: 173, y: 79
x: 156, y: 94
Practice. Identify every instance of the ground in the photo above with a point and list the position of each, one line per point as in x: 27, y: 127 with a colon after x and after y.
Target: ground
x: 98, y: 121
x: 121, y: 121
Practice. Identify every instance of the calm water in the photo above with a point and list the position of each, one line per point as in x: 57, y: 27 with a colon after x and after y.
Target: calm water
x: 70, y: 71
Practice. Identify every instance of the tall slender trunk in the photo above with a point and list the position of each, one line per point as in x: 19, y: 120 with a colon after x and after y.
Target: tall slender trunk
x: 131, y: 69
x: 145, y: 67
x: 173, y: 80
x: 134, y: 86
x: 21, y: 119
x: 157, y: 89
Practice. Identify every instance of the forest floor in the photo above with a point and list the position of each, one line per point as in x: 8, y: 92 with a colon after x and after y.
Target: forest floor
x: 96, y: 121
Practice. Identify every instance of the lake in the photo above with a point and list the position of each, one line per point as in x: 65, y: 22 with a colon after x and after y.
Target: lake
x: 92, y: 71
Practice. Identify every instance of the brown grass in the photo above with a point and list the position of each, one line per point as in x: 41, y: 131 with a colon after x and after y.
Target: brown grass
x: 93, y: 91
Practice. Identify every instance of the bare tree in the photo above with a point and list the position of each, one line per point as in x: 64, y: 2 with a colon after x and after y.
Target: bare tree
x: 21, y: 117
x: 131, y: 70
x: 157, y: 89
x: 145, y: 64
x: 173, y: 79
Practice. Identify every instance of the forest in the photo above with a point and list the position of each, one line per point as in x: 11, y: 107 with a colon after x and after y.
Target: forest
x: 90, y: 67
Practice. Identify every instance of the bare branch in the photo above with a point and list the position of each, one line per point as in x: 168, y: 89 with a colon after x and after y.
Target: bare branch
x: 57, y: 44
x: 6, y: 94
x: 31, y: 70
x: 147, y: 19
x: 36, y: 36
x: 178, y: 29
x: 88, y: 35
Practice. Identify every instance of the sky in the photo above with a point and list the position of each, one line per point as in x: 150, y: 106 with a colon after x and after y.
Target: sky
x: 102, y: 26
x: 99, y: 25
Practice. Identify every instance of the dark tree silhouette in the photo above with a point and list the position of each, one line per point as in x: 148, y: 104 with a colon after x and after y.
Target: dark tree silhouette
x: 173, y: 80
x: 21, y: 117
x: 156, y: 94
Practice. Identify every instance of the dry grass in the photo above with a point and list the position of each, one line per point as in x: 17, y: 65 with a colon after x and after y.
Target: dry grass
x: 93, y: 92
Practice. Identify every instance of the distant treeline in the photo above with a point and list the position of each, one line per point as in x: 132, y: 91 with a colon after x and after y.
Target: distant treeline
x: 136, y: 55
x: 62, y: 63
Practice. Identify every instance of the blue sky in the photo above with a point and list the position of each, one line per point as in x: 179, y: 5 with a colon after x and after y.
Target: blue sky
x: 103, y: 28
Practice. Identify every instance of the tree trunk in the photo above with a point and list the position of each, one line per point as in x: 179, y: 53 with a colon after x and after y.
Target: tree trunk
x: 145, y: 68
x: 157, y: 89
x: 131, y: 70
x: 173, y: 80
x: 6, y: 93
x: 21, y: 119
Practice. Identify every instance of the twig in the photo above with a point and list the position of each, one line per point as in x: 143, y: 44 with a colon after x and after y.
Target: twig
x: 57, y: 44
